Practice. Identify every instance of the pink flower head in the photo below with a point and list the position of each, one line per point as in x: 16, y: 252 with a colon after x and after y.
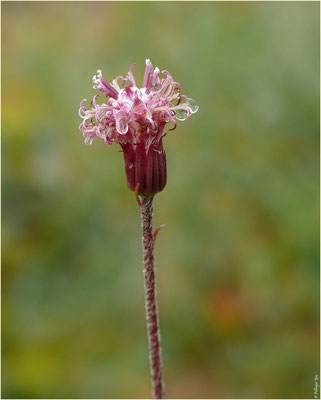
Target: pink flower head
x: 135, y: 118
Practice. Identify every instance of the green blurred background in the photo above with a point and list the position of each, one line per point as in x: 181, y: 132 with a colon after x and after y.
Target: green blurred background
x: 238, y: 261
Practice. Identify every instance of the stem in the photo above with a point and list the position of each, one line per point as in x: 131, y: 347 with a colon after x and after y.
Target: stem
x: 150, y: 299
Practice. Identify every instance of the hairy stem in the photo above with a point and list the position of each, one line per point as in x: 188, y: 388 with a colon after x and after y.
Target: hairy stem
x: 150, y: 299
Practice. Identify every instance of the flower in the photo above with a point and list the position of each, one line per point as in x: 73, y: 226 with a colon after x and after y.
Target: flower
x: 135, y: 118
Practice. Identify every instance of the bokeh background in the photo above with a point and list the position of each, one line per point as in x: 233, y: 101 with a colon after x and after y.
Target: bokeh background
x: 238, y: 261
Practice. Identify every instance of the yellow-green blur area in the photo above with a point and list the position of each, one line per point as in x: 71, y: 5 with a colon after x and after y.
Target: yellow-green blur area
x: 238, y: 260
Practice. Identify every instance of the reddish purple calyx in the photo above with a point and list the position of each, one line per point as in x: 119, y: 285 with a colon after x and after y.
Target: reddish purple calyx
x: 145, y: 169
